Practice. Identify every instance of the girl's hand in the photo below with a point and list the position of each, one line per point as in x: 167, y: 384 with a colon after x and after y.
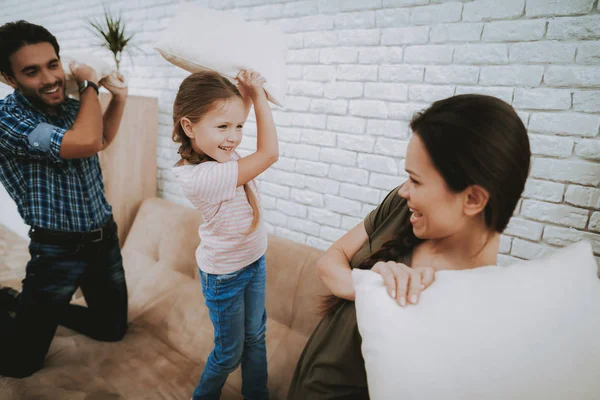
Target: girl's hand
x: 403, y: 282
x: 250, y: 83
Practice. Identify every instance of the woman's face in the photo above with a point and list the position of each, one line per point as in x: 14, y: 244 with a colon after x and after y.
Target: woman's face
x: 437, y: 212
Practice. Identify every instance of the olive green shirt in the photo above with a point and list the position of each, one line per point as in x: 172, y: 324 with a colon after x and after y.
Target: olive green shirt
x: 331, y: 365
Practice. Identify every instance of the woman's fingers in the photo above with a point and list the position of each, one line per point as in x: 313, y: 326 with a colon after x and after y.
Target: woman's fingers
x: 388, y: 277
x: 414, y: 287
x: 396, y: 280
x: 402, y: 282
x: 427, y: 276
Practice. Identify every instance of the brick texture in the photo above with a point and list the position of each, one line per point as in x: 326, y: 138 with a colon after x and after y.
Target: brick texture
x: 357, y: 72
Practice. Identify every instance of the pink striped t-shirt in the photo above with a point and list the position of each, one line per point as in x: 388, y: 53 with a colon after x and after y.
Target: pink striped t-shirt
x: 225, y: 246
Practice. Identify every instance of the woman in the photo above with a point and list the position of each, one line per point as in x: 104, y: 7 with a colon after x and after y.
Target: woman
x: 467, y: 162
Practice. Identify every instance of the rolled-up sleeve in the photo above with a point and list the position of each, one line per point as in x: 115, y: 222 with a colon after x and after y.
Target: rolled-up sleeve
x: 22, y: 138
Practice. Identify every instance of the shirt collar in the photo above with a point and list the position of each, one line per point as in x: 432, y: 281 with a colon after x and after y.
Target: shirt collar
x: 24, y: 101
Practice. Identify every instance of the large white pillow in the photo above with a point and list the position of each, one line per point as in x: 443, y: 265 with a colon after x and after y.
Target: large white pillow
x: 101, y: 67
x: 200, y: 38
x: 528, y: 331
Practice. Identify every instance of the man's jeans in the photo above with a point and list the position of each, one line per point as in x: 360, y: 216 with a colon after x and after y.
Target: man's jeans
x: 236, y: 303
x: 53, y: 275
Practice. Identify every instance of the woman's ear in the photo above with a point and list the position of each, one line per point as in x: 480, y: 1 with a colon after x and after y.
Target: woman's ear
x: 187, y: 127
x: 476, y: 199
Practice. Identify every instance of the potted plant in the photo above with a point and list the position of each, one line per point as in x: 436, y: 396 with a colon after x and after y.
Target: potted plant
x: 111, y: 32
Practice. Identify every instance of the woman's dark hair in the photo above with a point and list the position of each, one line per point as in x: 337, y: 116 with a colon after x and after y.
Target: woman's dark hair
x: 472, y: 139
x: 14, y: 35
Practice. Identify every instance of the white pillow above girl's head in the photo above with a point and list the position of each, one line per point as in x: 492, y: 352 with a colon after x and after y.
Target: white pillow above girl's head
x: 200, y: 38
x: 527, y: 331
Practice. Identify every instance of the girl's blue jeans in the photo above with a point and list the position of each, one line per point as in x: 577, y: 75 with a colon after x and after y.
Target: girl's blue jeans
x: 236, y: 304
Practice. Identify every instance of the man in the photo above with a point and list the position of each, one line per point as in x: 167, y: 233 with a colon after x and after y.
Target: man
x: 49, y: 166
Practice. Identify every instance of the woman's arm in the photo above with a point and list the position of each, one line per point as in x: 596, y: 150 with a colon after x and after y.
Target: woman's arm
x: 404, y: 284
x: 334, y: 266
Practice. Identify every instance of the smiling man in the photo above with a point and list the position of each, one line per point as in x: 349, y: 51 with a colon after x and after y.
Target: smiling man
x: 49, y: 166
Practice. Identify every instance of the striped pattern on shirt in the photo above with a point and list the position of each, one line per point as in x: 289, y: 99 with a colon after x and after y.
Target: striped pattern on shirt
x: 225, y: 246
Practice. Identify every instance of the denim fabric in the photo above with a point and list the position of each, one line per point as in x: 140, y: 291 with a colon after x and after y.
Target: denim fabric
x: 236, y: 303
x: 52, y: 276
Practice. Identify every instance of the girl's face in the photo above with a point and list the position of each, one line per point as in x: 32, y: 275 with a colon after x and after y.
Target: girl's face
x: 219, y: 132
x: 437, y: 212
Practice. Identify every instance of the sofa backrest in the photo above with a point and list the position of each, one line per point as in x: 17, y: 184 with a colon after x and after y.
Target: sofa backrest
x: 164, y: 290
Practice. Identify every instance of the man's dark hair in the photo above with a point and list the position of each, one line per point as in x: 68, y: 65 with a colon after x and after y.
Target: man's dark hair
x: 14, y: 35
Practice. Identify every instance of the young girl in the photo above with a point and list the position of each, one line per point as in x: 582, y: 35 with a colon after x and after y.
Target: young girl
x: 208, y: 114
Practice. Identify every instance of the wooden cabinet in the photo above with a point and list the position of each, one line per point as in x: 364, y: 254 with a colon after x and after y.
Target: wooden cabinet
x: 129, y: 163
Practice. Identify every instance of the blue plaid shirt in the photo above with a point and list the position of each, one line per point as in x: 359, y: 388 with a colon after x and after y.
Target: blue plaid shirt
x: 50, y: 192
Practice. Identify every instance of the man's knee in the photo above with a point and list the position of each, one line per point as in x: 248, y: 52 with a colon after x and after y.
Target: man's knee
x: 20, y: 367
x: 114, y: 333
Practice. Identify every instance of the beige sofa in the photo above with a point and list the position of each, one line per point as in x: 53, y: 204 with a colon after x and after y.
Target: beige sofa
x: 170, y: 334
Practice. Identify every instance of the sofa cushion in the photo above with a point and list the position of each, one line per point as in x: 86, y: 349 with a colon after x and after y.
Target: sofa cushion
x: 162, y: 231
x: 170, y: 334
x: 293, y: 288
x: 139, y: 367
x: 169, y: 301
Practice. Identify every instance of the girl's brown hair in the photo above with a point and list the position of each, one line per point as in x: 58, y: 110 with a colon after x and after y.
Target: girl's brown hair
x: 199, y: 94
x: 472, y: 139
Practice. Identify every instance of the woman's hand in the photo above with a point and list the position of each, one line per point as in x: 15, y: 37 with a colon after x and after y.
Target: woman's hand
x: 403, y: 282
x: 250, y: 83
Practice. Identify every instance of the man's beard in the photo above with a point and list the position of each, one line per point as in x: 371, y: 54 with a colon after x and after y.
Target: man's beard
x: 37, y: 98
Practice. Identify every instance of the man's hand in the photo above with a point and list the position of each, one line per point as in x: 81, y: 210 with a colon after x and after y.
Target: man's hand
x: 83, y: 72
x: 116, y: 85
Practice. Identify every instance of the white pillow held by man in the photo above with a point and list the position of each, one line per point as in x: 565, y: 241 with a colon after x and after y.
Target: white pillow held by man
x: 103, y: 71
x: 528, y: 331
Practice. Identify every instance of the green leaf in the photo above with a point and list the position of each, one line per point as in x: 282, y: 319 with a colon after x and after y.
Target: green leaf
x: 111, y: 32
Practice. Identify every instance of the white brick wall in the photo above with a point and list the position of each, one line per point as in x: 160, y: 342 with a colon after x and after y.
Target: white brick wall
x: 359, y: 69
